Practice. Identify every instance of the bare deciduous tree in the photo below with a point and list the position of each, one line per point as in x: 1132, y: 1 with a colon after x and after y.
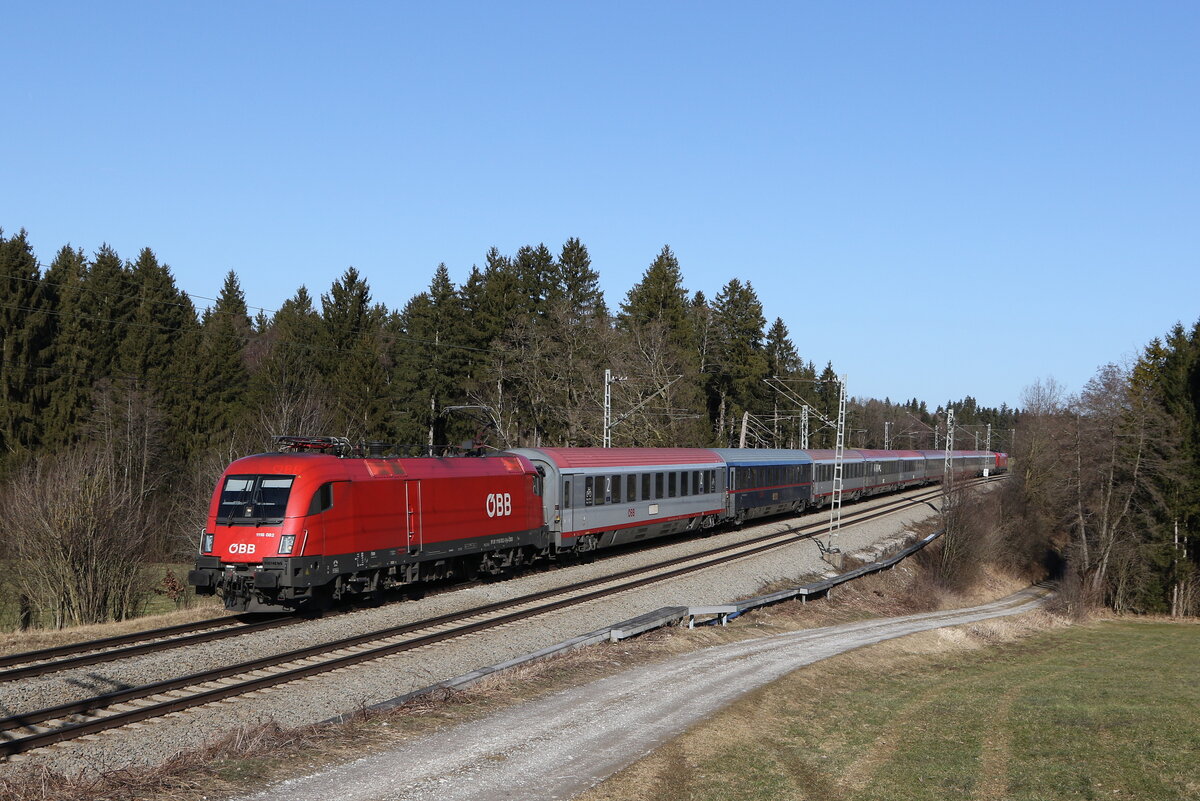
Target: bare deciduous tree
x: 77, y: 533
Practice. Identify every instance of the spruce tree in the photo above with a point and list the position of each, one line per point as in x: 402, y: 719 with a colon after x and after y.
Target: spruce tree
x: 353, y: 358
x: 782, y: 358
x: 431, y: 364
x: 163, y: 314
x: 578, y: 285
x: 220, y: 413
x: 24, y: 328
x: 737, y: 335
x: 110, y: 301
x: 493, y: 299
x: 658, y: 322
x: 660, y: 298
x: 155, y: 355
x: 288, y: 389
x: 827, y: 391
x: 535, y: 272
x: 70, y: 351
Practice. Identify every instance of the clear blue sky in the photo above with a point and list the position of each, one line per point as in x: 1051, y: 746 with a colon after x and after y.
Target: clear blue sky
x: 942, y: 198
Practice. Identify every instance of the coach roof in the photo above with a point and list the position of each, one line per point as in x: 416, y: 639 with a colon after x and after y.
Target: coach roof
x: 624, y: 457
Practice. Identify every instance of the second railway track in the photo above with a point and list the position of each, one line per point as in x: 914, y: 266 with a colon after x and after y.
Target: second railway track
x: 35, y: 729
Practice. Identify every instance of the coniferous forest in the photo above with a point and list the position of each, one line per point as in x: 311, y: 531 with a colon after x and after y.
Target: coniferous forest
x: 122, y: 397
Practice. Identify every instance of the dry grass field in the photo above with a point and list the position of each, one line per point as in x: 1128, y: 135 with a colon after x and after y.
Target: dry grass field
x: 1103, y: 710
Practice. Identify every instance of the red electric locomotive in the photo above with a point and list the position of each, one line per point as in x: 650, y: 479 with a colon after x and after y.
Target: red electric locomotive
x: 316, y: 523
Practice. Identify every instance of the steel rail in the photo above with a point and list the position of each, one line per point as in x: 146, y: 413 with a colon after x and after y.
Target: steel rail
x: 87, y: 706
x: 108, y: 642
x: 147, y: 645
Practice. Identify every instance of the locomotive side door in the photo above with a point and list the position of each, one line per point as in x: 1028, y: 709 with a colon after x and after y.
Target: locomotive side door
x: 414, y: 523
x: 331, y: 525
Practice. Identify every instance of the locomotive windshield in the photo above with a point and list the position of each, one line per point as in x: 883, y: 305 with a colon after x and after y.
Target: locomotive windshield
x: 254, y: 500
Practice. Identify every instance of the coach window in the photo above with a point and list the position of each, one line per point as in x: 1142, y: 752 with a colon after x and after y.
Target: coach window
x: 646, y: 487
x: 631, y: 487
x: 671, y: 484
x: 566, y: 499
x: 658, y: 486
x: 696, y: 482
x: 616, y: 489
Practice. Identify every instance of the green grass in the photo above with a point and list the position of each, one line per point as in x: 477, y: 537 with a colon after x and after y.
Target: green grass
x: 1110, y: 710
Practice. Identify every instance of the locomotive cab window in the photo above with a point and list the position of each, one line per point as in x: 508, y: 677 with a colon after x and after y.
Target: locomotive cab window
x: 252, y: 500
x: 322, y: 499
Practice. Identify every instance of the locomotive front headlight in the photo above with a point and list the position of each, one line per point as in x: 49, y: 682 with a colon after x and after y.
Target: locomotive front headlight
x: 206, y: 543
x: 286, y: 542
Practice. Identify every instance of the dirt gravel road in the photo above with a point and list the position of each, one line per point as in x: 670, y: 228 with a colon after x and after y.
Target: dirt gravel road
x: 557, y: 747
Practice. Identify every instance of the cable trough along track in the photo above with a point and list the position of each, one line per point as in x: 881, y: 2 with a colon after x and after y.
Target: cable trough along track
x: 40, y: 728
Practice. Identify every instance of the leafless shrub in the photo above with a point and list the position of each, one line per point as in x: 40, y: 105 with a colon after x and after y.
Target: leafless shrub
x: 971, y: 522
x: 77, y: 531
x: 294, y: 410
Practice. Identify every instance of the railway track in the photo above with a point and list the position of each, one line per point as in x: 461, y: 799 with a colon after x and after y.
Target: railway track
x: 29, y: 664
x: 92, y: 652
x: 36, y: 729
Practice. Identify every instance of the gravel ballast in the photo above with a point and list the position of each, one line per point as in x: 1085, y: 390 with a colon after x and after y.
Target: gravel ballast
x: 338, y: 692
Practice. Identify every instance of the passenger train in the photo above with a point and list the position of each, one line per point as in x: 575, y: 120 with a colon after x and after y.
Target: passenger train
x: 320, y: 520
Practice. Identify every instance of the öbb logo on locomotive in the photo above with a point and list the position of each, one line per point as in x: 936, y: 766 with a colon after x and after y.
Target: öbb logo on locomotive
x: 321, y: 520
x: 499, y: 504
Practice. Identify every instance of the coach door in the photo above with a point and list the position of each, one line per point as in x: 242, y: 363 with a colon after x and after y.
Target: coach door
x: 567, y: 502
x: 414, y: 524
